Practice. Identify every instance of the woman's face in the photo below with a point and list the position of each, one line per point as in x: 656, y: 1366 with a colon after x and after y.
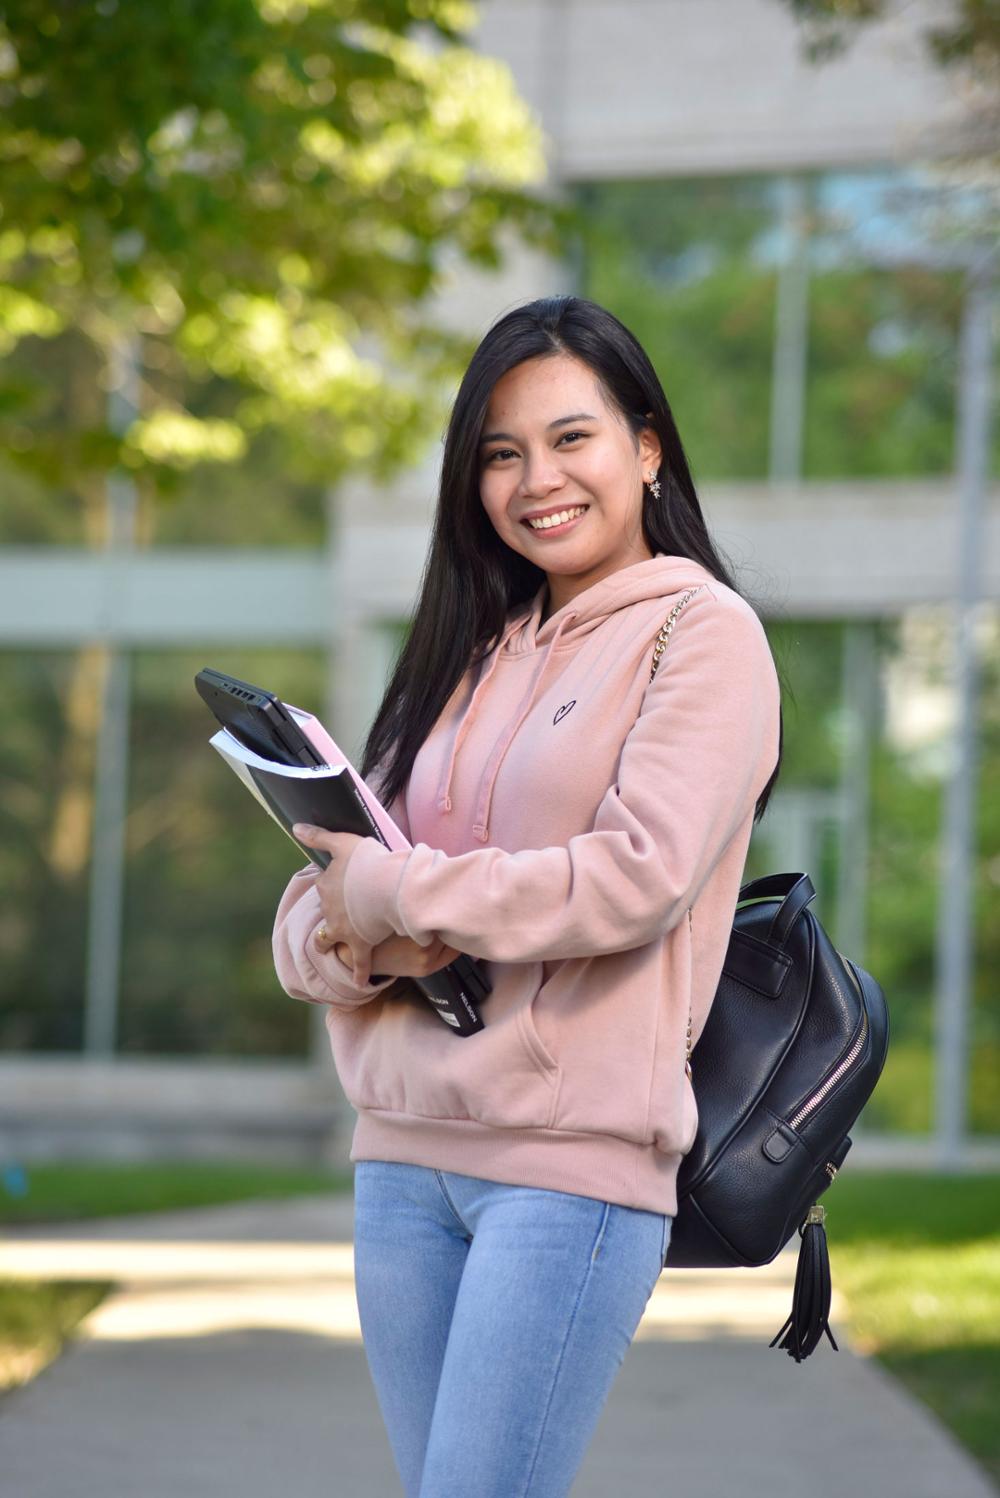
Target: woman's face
x: 551, y: 444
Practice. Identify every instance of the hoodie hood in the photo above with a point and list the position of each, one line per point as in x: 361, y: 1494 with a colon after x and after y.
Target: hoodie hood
x: 656, y: 577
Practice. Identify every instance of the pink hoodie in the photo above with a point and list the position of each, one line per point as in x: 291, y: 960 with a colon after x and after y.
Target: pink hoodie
x: 584, y: 831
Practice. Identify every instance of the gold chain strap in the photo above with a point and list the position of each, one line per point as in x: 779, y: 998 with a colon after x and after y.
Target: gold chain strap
x: 664, y: 635
x: 661, y: 645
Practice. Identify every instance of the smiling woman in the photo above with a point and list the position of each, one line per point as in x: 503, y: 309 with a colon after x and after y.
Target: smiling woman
x: 583, y: 829
x: 582, y: 486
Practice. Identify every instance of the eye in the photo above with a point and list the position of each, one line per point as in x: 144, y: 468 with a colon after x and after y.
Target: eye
x: 505, y: 452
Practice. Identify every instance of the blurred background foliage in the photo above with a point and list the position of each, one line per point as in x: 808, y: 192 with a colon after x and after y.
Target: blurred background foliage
x: 252, y: 217
x: 966, y: 32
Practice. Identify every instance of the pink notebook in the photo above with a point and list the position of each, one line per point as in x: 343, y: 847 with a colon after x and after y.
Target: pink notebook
x: 326, y: 747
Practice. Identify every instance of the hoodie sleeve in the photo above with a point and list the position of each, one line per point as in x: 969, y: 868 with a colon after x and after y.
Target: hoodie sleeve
x: 306, y: 971
x: 699, y: 754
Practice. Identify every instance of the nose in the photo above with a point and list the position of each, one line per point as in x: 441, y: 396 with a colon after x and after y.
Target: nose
x: 540, y: 475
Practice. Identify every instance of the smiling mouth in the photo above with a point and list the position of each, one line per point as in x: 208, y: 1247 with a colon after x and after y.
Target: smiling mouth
x: 559, y: 520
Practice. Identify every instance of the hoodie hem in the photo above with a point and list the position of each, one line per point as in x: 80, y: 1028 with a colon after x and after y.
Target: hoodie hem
x: 594, y: 1165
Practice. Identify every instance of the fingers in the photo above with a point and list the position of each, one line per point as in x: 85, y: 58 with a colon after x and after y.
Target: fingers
x: 358, y: 958
x: 316, y: 837
x: 437, y: 956
x: 362, y: 961
x: 398, y: 955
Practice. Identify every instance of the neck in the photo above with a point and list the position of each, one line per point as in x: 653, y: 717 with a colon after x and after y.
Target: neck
x: 568, y: 586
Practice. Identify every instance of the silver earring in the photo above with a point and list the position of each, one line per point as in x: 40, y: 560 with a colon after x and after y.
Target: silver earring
x: 654, y: 485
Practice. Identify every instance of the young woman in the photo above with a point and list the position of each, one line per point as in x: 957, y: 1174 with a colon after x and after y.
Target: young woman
x: 583, y: 831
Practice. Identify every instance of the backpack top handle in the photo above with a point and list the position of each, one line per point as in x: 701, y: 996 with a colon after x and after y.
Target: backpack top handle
x: 798, y: 890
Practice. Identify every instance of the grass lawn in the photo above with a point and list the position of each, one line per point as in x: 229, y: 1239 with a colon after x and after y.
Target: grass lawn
x: 916, y: 1257
x: 76, y: 1190
x: 36, y: 1318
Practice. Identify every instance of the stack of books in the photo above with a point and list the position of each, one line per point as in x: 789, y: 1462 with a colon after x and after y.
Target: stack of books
x: 288, y: 761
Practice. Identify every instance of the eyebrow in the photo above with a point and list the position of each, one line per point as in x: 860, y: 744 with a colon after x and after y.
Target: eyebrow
x: 560, y: 421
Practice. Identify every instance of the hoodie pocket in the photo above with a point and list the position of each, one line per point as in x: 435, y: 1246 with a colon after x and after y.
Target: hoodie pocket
x: 397, y: 1055
x: 547, y: 1063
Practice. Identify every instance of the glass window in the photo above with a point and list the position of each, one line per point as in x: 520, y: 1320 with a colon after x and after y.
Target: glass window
x: 47, y: 744
x: 884, y: 319
x: 678, y: 262
x: 206, y: 869
x: 691, y: 266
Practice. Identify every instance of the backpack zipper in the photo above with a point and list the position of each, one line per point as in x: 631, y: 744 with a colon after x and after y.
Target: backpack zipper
x: 817, y: 1097
x: 844, y: 1065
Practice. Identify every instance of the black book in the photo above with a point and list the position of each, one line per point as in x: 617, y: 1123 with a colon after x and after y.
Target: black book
x: 333, y: 796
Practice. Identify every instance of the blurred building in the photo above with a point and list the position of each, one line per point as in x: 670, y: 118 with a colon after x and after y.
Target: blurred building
x: 787, y: 240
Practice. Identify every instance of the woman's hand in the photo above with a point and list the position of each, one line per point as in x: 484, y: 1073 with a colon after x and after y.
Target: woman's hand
x: 397, y: 955
x: 336, y: 926
x: 402, y: 957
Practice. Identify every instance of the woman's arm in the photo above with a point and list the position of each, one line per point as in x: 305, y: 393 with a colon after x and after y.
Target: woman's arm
x: 696, y: 759
x: 306, y: 968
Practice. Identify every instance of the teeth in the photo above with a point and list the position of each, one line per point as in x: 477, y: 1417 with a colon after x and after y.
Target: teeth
x: 547, y: 521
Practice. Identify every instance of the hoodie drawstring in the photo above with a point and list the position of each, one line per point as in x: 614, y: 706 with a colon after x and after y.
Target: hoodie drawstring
x: 481, y: 826
x: 444, y: 788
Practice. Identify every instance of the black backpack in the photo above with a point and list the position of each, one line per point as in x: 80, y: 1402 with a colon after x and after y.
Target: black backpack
x: 794, y: 1044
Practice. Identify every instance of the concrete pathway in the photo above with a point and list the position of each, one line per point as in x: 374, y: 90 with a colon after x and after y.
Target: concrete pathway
x: 229, y: 1361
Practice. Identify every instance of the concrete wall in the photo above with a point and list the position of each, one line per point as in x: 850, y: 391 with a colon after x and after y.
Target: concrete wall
x: 146, y: 1108
x: 672, y: 87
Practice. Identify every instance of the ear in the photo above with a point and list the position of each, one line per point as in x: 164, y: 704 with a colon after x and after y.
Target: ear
x: 650, y: 451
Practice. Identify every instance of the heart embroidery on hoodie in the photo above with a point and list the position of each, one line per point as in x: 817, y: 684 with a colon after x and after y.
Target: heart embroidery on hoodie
x: 564, y: 710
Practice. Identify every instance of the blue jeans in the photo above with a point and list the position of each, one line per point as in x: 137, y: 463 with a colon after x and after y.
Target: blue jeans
x: 494, y: 1320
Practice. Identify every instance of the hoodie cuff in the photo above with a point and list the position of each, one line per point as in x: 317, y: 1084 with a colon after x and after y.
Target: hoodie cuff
x: 370, y: 887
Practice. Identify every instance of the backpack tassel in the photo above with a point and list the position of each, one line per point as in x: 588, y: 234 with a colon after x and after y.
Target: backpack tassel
x: 811, y: 1296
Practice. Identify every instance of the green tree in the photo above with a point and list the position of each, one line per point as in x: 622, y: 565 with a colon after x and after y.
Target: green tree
x: 965, y: 40
x: 970, y: 35
x: 253, y: 196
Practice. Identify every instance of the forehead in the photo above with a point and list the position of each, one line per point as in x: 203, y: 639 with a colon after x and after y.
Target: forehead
x: 536, y: 387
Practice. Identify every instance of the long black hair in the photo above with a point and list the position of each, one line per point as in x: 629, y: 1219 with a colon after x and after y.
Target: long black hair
x: 471, y: 578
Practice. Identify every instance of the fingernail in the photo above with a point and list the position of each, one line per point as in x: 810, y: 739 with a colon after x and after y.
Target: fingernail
x: 302, y: 829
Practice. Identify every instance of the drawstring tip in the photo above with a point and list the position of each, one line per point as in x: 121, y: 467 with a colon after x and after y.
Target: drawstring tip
x: 811, y: 1297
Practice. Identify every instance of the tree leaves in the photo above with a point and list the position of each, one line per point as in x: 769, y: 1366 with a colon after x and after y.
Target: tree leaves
x: 255, y: 191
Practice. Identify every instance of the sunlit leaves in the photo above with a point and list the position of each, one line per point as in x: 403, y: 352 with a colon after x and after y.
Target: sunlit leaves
x: 180, y: 440
x: 267, y: 186
x: 22, y: 315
